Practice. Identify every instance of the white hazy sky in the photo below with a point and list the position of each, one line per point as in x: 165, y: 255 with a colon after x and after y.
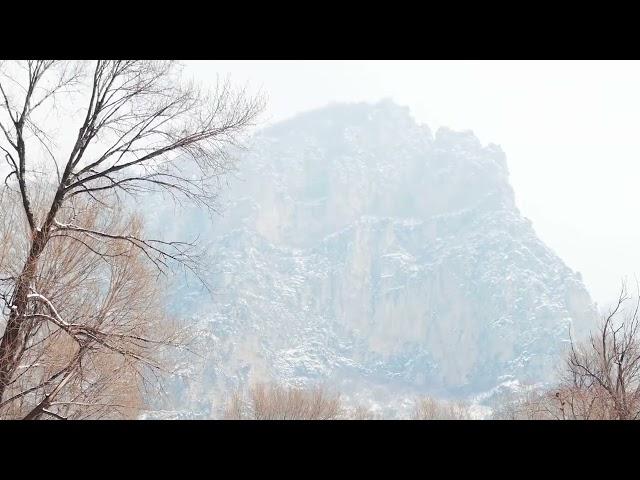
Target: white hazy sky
x: 570, y: 129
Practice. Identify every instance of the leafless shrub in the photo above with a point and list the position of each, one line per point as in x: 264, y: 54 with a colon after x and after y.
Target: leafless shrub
x: 235, y: 408
x: 274, y: 402
x: 431, y: 409
x: 361, y: 412
x: 561, y: 403
x: 529, y: 404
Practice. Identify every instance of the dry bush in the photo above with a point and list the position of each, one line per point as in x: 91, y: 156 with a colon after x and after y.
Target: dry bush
x: 361, y: 412
x: 532, y: 404
x: 274, y: 402
x: 431, y: 409
x: 562, y: 403
x: 235, y: 408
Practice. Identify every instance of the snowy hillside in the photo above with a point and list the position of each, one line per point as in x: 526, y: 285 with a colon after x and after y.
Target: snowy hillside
x: 360, y: 250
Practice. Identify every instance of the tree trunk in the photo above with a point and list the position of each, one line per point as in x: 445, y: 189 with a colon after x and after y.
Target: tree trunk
x: 11, y: 343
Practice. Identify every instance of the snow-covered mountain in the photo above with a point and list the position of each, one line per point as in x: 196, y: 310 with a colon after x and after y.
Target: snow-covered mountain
x: 360, y: 250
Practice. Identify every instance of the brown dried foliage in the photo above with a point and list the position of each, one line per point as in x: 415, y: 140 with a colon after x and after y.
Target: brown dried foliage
x: 275, y: 402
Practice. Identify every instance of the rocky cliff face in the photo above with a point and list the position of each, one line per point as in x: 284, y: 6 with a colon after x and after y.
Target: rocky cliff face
x: 358, y: 249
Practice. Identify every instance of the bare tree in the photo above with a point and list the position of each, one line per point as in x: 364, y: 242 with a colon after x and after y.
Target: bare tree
x: 604, y: 373
x: 140, y: 130
x: 96, y: 318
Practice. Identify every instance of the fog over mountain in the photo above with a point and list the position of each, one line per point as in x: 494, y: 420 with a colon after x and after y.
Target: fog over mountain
x: 361, y: 250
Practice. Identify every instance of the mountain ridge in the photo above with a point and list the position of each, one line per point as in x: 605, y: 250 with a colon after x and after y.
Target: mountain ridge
x: 358, y: 248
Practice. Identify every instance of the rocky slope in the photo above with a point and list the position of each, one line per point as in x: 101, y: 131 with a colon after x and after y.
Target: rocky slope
x: 358, y: 249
